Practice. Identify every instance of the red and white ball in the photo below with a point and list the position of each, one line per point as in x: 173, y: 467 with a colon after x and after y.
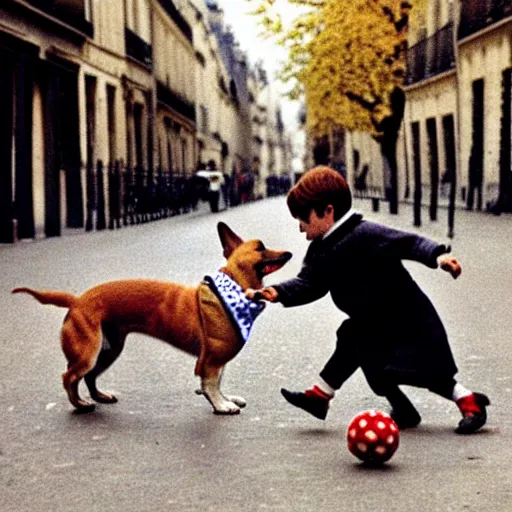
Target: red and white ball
x: 373, y: 436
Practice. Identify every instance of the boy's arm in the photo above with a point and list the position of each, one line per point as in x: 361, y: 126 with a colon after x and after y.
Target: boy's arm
x: 298, y: 291
x: 410, y: 246
x: 308, y: 286
x: 450, y: 264
x: 268, y: 293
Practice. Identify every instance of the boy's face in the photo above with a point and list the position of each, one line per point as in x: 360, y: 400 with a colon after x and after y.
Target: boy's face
x: 316, y: 226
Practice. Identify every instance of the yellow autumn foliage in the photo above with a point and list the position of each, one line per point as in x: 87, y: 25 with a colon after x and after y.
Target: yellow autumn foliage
x: 345, y: 57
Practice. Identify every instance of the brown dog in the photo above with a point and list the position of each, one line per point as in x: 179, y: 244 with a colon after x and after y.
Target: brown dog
x: 192, y: 319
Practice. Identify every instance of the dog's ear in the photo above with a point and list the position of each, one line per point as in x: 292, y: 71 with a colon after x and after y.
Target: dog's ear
x: 229, y: 240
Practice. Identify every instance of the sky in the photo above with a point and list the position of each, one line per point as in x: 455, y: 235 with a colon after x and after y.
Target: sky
x: 246, y: 31
x: 245, y: 28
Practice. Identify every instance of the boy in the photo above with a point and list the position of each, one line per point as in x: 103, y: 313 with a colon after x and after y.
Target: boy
x: 393, y: 332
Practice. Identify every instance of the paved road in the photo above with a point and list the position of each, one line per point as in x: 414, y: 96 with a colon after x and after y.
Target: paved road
x: 160, y: 448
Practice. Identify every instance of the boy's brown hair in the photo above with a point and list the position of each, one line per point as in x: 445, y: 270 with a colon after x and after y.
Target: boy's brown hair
x: 317, y: 188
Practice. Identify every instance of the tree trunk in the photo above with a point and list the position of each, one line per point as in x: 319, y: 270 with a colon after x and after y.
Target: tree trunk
x: 388, y: 151
x: 387, y: 139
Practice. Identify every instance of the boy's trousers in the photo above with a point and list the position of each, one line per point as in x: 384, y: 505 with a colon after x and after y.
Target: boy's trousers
x: 374, y: 352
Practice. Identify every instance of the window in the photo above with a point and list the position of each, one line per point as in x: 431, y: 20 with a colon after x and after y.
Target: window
x: 183, y: 156
x: 90, y: 101
x: 204, y: 125
x: 111, y: 122
x: 138, y: 111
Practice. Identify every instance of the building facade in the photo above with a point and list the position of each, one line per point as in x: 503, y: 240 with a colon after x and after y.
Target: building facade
x: 271, y: 145
x: 109, y: 109
x: 455, y: 140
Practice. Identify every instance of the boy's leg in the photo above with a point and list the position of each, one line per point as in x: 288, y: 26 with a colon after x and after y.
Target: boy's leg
x: 403, y: 411
x: 313, y: 400
x: 472, y: 405
x: 340, y: 366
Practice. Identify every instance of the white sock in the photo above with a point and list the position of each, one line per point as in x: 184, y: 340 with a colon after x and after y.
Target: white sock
x: 459, y: 391
x: 328, y: 390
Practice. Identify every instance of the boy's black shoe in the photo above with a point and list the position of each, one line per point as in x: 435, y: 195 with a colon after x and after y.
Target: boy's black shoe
x: 403, y: 412
x: 310, y: 402
x: 474, y: 412
x: 406, y: 419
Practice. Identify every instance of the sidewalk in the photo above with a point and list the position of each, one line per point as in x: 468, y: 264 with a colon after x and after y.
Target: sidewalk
x: 203, y: 209
x: 469, y: 227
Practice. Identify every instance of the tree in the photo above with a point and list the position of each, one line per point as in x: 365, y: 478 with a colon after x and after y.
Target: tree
x: 348, y: 59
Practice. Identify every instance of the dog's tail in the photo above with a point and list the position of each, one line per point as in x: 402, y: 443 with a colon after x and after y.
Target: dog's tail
x: 60, y: 299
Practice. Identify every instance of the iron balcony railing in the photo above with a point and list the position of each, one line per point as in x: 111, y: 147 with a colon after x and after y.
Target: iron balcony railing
x: 475, y: 15
x: 431, y: 56
x: 178, y: 18
x: 70, y: 12
x: 137, y: 48
x: 172, y: 100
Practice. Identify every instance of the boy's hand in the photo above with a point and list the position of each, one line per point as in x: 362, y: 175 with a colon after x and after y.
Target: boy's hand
x: 450, y: 264
x: 268, y: 293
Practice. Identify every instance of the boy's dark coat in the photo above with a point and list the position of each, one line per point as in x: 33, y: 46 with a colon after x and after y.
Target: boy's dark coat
x: 393, y: 325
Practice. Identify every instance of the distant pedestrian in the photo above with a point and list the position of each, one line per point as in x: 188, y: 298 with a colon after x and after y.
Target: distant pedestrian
x: 242, y: 185
x: 215, y: 182
x: 226, y: 189
x: 393, y: 332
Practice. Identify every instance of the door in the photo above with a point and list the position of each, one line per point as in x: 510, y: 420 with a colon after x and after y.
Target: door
x: 450, y: 173
x: 476, y: 159
x: 6, y: 149
x: 416, y: 158
x: 62, y: 150
x: 434, y: 166
x: 18, y: 62
x: 505, y: 197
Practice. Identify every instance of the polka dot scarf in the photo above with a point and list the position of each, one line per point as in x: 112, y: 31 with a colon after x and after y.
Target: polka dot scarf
x: 242, y: 310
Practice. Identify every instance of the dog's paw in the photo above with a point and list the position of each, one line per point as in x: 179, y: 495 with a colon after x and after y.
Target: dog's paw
x: 226, y: 408
x: 104, y: 398
x: 238, y: 400
x: 84, y: 409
